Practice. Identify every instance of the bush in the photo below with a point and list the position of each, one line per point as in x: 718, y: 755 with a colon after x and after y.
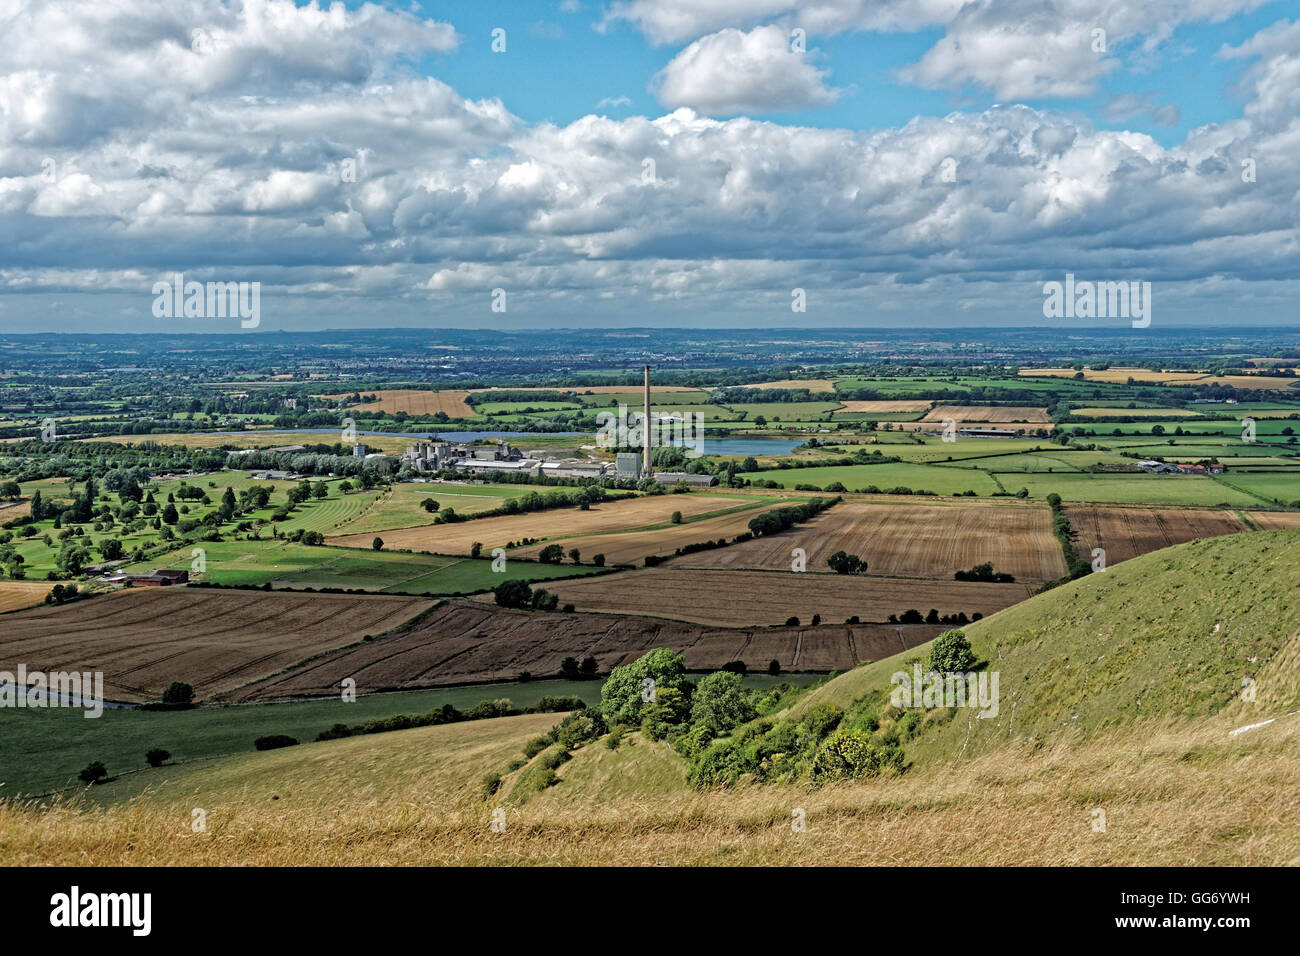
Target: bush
x: 94, y: 772
x: 791, y: 622
x: 377, y: 544
x: 720, y: 703
x: 274, y: 742
x: 513, y: 594
x: 774, y: 668
x: 951, y: 653
x: 536, y: 746
x: 156, y: 757
x: 551, y: 554
x: 178, y: 694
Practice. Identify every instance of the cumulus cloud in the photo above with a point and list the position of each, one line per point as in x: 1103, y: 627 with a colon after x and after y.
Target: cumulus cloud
x: 735, y: 72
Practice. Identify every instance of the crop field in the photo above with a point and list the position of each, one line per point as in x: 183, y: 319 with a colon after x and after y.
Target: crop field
x: 1276, y: 520
x: 253, y: 439
x: 458, y: 537
x: 1128, y: 532
x: 418, y: 402
x: 987, y: 413
x: 632, y: 547
x: 15, y: 595
x: 283, y: 564
x: 1133, y: 488
x: 1133, y: 412
x: 908, y: 538
x: 144, y: 639
x: 463, y: 641
x: 940, y: 480
x: 1144, y: 376
x: 400, y: 506
x: 884, y: 407
x: 785, y: 411
x: 813, y: 385
x: 681, y: 592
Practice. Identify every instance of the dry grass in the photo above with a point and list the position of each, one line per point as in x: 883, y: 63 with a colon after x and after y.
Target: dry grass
x: 770, y: 597
x: 1172, y: 796
x: 459, y: 537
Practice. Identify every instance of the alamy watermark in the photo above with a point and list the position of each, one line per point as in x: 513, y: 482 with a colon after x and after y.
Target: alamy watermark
x: 39, y: 690
x: 179, y: 299
x: 933, y: 689
x: 1098, y: 300
x: 626, y: 430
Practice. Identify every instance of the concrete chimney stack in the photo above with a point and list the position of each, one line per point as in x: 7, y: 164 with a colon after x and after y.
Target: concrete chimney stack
x: 645, y: 426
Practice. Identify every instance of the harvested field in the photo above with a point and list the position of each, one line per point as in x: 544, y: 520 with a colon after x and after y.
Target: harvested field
x: 1128, y: 532
x: 416, y: 401
x: 908, y: 540
x: 592, y: 389
x: 1276, y: 520
x: 463, y: 642
x: 458, y: 537
x: 884, y: 407
x: 143, y: 639
x: 15, y: 509
x: 1135, y: 413
x: 772, y: 597
x: 813, y: 385
x: 631, y: 547
x: 987, y: 413
x: 15, y: 595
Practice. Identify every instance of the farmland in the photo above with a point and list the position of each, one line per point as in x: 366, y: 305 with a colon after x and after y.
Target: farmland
x: 458, y: 537
x: 934, y: 478
x: 985, y: 413
x: 908, y: 539
x: 400, y: 506
x: 416, y: 402
x: 15, y: 595
x: 1125, y: 533
x: 144, y: 639
x: 680, y: 592
x: 461, y: 642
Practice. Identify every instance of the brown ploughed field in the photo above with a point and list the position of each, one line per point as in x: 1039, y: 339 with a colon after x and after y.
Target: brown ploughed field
x: 464, y: 642
x: 746, y: 598
x: 908, y: 540
x: 142, y: 639
x: 1129, y: 532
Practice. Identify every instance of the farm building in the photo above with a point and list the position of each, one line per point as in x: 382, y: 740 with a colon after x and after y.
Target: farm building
x: 987, y: 433
x: 159, y: 577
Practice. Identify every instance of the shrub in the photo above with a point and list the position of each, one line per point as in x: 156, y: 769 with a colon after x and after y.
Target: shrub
x: 274, y: 742
x: 178, y: 694
x: 774, y: 668
x: 951, y: 653
x: 791, y: 622
x: 156, y: 757
x: 536, y: 746
x: 94, y: 772
x: 720, y: 703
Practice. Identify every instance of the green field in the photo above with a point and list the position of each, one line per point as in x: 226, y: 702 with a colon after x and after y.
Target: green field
x: 1128, y: 488
x: 1279, y: 488
x: 940, y: 480
x: 401, y: 508
x: 287, y: 565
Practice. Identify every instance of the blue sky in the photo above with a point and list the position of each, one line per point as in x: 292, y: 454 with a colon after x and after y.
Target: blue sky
x: 919, y: 162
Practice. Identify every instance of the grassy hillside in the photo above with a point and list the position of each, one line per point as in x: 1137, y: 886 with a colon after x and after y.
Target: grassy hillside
x: 1170, y: 635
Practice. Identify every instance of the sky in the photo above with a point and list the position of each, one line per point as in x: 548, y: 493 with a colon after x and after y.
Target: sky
x: 571, y: 163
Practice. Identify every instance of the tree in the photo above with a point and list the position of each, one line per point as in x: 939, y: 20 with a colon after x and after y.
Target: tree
x: 111, y: 549
x: 842, y: 563
x: 178, y: 694
x: 320, y: 490
x: 720, y: 703
x: 513, y: 594
x: 169, y: 514
x: 429, y: 505
x: 676, y: 517
x: 569, y: 668
x: 598, y: 560
x: 476, y: 549
x: 378, y: 543
x: 551, y: 554
x: 589, y: 667
x: 156, y: 757
x: 93, y: 773
x: 37, y: 508
x: 575, y: 555
x: 626, y: 692
x: 951, y: 653
x: 774, y: 668
x: 10, y: 489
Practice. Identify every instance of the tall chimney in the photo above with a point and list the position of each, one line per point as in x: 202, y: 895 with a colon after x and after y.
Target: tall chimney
x: 645, y: 427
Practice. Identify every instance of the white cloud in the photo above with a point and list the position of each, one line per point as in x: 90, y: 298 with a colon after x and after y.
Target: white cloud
x: 734, y: 72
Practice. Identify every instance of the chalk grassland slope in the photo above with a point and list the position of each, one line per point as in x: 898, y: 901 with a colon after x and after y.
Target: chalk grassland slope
x: 741, y: 598
x: 15, y: 595
x: 414, y: 401
x: 908, y: 540
x: 1128, y: 532
x: 1168, y: 636
x: 143, y: 639
x: 458, y: 537
x: 415, y: 797
x: 987, y: 413
x: 632, y: 547
x: 460, y: 642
